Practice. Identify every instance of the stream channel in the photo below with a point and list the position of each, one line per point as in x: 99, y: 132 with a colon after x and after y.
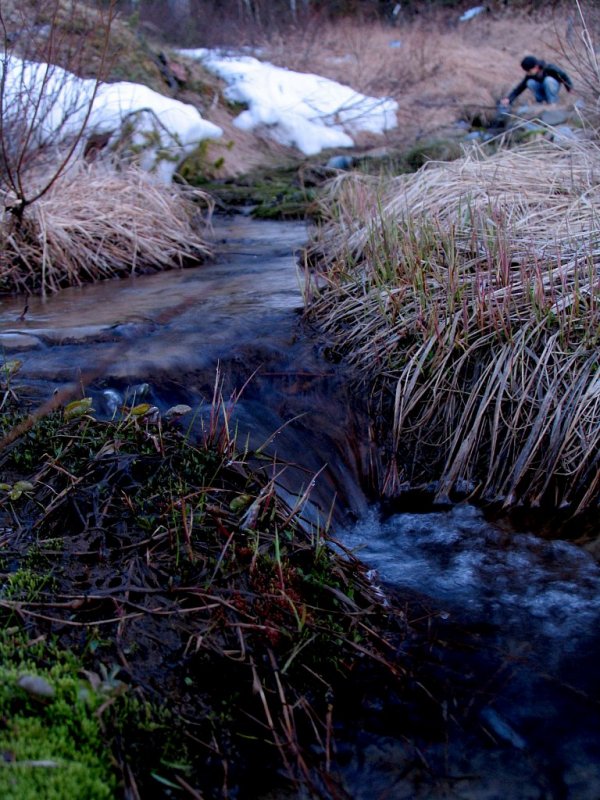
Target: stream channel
x: 507, y: 634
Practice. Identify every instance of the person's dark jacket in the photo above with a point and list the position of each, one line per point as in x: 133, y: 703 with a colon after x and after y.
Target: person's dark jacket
x: 547, y: 70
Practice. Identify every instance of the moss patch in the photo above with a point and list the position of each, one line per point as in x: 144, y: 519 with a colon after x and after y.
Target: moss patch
x: 51, y: 736
x: 285, y: 192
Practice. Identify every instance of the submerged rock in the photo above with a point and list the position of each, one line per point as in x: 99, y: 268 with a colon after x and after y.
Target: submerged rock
x: 502, y: 729
x: 340, y: 162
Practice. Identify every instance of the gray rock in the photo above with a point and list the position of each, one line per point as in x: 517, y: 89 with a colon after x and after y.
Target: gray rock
x: 18, y: 341
x: 177, y: 411
x: 36, y: 686
x: 564, y: 132
x: 554, y: 116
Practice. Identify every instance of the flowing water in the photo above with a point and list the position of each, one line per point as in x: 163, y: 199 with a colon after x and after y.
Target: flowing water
x: 161, y: 339
x: 522, y: 616
x: 509, y: 637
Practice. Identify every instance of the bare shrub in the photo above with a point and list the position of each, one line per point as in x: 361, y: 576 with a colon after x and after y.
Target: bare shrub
x: 64, y: 222
x: 43, y: 108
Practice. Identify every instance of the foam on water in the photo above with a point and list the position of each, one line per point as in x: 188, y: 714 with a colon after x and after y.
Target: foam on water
x: 514, y: 580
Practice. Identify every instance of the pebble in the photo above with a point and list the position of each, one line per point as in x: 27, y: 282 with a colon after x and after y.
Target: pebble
x: 36, y: 686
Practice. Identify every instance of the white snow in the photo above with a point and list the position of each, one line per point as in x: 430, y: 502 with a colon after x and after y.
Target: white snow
x: 166, y: 130
x: 162, y: 129
x: 471, y: 12
x: 297, y: 109
x: 305, y: 111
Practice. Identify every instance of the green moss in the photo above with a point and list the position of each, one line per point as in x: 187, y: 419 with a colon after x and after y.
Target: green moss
x: 284, y: 193
x: 50, y: 736
x: 195, y: 170
x: 25, y: 584
x: 225, y: 591
x: 412, y: 159
x: 236, y: 107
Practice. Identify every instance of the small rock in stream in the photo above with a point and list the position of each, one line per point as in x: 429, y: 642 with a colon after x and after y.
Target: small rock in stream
x: 177, y: 411
x: 18, y: 341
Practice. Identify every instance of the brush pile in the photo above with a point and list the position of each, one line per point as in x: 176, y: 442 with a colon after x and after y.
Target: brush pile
x: 468, y: 293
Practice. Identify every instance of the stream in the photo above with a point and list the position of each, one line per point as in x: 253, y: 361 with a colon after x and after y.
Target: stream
x: 507, y: 622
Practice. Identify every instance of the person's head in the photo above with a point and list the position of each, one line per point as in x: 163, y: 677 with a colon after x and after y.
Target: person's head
x: 531, y: 65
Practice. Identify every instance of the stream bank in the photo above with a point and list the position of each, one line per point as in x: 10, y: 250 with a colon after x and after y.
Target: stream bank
x: 166, y: 337
x: 500, y: 693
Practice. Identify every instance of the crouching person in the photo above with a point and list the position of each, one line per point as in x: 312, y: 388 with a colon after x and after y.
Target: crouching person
x: 542, y: 79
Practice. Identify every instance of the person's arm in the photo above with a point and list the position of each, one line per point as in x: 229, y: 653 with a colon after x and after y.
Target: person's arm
x: 519, y: 89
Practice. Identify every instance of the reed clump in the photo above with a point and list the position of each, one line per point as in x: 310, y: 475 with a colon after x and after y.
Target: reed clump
x: 95, y: 223
x: 468, y: 294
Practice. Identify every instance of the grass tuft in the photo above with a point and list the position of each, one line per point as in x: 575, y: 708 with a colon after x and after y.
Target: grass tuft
x: 174, y: 568
x: 96, y: 223
x: 469, y: 294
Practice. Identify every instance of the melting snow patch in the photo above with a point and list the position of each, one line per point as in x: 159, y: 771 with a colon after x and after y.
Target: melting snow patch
x: 58, y: 105
x: 297, y: 109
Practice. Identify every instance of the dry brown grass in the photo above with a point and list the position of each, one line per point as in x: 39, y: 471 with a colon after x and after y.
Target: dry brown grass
x: 97, y: 223
x: 437, y: 71
x: 579, y: 52
x: 469, y: 292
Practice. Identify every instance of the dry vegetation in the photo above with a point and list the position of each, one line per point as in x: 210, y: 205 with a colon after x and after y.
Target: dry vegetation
x: 474, y: 300
x: 66, y: 221
x: 97, y: 223
x: 468, y: 293
x: 437, y: 72
x: 227, y: 632
x: 71, y: 33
